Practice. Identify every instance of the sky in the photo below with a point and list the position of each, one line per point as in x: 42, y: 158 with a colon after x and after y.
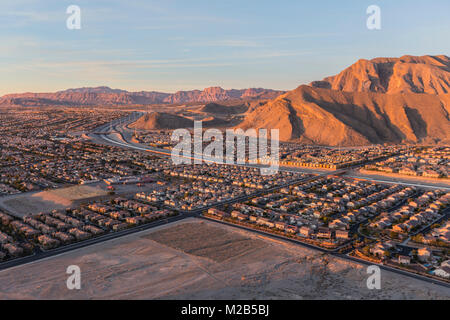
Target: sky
x: 171, y: 45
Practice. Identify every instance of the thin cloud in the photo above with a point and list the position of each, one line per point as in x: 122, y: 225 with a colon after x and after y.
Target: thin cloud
x: 226, y: 43
x: 171, y: 63
x: 23, y: 17
x: 302, y: 35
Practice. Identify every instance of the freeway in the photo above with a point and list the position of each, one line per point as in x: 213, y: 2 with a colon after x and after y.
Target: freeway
x: 124, y: 134
x: 103, y: 133
x: 116, y: 133
x: 125, y: 142
x: 409, y: 184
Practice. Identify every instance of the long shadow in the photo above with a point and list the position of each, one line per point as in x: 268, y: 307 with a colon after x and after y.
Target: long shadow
x: 359, y: 118
x: 418, y: 125
x: 297, y: 124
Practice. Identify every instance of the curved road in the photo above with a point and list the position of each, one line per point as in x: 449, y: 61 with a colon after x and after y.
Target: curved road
x: 121, y: 127
x: 122, y: 138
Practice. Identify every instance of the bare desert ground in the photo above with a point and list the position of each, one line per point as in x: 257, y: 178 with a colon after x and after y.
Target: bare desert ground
x: 196, y: 259
x: 45, y: 201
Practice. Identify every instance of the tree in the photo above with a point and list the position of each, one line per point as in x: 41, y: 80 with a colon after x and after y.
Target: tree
x: 417, y: 238
x: 366, y: 250
x: 393, y: 235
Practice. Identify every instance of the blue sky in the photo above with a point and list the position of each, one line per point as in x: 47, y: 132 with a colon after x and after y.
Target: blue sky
x: 170, y: 45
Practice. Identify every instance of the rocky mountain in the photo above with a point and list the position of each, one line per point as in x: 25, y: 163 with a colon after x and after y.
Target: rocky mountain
x: 108, y: 96
x: 408, y: 74
x: 214, y: 94
x: 383, y: 100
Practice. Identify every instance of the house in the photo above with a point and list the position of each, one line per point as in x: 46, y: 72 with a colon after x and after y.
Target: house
x: 445, y: 263
x: 431, y: 174
x: 379, y: 251
x: 399, y: 228
x: 404, y: 259
x: 13, y: 249
x: 291, y: 229
x: 120, y: 226
x: 79, y: 234
x: 317, y: 214
x: 341, y: 234
x: 424, y: 254
x: 381, y: 248
x: 134, y: 220
x: 270, y: 224
x: 4, y: 238
x: 242, y: 217
x: 64, y: 237
x: 280, y: 225
x: 324, y: 233
x: 48, y: 242
x: 443, y: 272
x: 234, y: 213
x: 305, y: 231
x: 217, y: 212
x: 262, y: 221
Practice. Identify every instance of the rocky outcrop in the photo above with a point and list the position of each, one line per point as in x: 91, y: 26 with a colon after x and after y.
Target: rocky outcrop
x: 408, y: 74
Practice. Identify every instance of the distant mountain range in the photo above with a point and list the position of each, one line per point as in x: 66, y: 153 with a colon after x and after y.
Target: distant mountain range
x: 383, y: 100
x: 108, y: 96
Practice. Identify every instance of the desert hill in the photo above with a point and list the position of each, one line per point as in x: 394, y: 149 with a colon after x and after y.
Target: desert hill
x: 170, y: 121
x: 426, y: 74
x: 365, y: 104
x: 161, y: 120
x: 215, y: 108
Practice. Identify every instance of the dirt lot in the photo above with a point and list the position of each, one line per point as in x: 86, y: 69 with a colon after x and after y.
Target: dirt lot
x: 45, y: 201
x: 68, y: 197
x: 189, y: 238
x: 73, y: 193
x: 195, y: 259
